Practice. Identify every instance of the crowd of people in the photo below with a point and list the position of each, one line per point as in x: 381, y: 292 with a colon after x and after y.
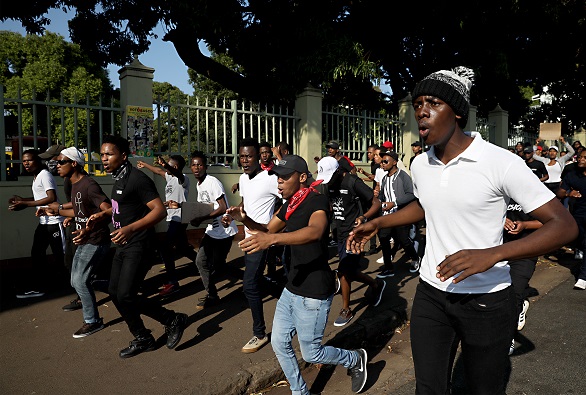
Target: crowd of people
x: 474, y: 280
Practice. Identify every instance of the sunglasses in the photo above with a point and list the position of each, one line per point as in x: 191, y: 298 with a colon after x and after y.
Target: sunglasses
x: 62, y: 162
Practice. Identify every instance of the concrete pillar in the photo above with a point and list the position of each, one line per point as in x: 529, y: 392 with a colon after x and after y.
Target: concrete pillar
x: 136, y: 88
x: 409, y: 127
x: 471, y: 124
x: 499, y: 118
x: 308, y: 107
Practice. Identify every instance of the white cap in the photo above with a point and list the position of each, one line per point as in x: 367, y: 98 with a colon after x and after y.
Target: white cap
x: 75, y: 155
x: 555, y: 148
x: 326, y: 168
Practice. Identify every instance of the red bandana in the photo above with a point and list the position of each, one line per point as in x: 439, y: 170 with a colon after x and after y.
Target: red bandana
x: 299, y: 197
x: 267, y: 168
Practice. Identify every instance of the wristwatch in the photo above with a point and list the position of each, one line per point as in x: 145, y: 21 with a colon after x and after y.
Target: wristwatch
x: 364, y: 219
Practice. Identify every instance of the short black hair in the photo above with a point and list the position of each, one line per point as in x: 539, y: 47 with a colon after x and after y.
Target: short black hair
x: 120, y: 143
x: 373, y: 146
x: 283, y: 145
x: 248, y: 142
x: 180, y: 161
x: 264, y: 144
x: 200, y: 155
x: 32, y: 152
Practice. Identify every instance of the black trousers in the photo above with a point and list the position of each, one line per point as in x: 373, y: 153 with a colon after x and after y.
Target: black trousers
x: 45, y: 236
x: 482, y: 323
x: 130, y: 265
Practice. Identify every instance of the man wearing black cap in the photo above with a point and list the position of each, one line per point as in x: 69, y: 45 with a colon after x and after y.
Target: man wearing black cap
x: 333, y: 148
x: 417, y: 150
x: 305, y: 302
x: 463, y: 185
x: 536, y: 167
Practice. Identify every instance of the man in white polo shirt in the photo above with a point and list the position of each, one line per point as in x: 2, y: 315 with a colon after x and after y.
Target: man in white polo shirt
x: 259, y: 194
x: 463, y: 185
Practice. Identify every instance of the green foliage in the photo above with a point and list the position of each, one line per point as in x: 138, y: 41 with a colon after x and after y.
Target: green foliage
x: 343, y: 46
x: 48, y: 68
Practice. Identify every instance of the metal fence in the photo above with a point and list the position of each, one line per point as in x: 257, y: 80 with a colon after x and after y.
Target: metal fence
x: 355, y: 130
x: 518, y: 135
x: 34, y: 123
x: 214, y: 126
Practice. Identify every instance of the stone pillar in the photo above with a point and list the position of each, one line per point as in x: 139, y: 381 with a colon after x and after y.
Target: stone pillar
x: 308, y: 107
x: 409, y: 127
x: 136, y: 88
x: 500, y: 119
x: 471, y: 123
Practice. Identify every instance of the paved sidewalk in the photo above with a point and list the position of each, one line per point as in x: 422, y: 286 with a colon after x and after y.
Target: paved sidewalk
x: 38, y: 354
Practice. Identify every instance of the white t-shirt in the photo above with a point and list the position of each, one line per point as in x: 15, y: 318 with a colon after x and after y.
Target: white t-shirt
x: 177, y: 192
x: 465, y: 203
x: 378, y: 175
x: 43, y: 182
x: 259, y: 194
x: 209, y: 191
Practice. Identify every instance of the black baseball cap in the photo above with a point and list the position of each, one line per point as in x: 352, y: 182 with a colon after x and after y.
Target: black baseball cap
x: 416, y: 144
x: 290, y: 164
x: 392, y: 154
x: 528, y: 149
x: 333, y: 144
x: 52, y: 151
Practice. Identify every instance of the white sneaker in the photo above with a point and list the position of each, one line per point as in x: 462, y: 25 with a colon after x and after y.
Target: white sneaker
x: 580, y: 284
x: 380, y: 260
x: 255, y: 344
x: 521, y: 322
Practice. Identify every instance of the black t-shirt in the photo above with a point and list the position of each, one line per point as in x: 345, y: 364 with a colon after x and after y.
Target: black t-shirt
x: 537, y: 167
x: 86, y: 197
x: 130, y: 195
x: 345, y: 164
x: 373, y: 167
x: 347, y: 202
x: 515, y: 213
x: 576, y: 180
x: 309, y: 274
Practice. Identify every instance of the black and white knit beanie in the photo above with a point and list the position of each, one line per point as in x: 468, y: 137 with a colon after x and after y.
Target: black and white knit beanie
x: 451, y: 86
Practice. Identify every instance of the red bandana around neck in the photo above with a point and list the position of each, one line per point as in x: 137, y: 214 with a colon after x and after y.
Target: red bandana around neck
x: 299, y: 197
x: 269, y: 167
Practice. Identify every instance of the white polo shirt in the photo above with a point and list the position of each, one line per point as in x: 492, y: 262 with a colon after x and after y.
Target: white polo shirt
x: 465, y: 203
x: 259, y: 196
x: 43, y: 182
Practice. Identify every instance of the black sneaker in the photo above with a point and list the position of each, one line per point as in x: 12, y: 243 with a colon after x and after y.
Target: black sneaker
x: 138, y: 346
x: 386, y: 273
x: 89, y: 329
x: 374, y: 297
x: 175, y: 330
x: 358, y: 372
x: 75, y: 304
x: 207, y: 301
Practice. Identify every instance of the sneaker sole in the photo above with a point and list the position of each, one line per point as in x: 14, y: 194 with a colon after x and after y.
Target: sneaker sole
x: 385, y: 276
x: 29, y: 296
x: 380, y: 295
x: 87, y: 334
x: 339, y: 324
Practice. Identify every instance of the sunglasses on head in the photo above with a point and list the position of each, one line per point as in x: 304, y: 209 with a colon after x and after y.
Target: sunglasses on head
x: 64, y: 161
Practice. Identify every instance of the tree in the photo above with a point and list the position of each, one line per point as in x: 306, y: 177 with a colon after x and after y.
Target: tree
x: 335, y: 44
x: 49, y: 68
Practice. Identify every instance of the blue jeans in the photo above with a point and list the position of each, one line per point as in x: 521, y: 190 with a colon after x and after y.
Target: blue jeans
x: 307, y: 318
x: 87, y: 257
x: 253, y: 272
x: 484, y: 325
